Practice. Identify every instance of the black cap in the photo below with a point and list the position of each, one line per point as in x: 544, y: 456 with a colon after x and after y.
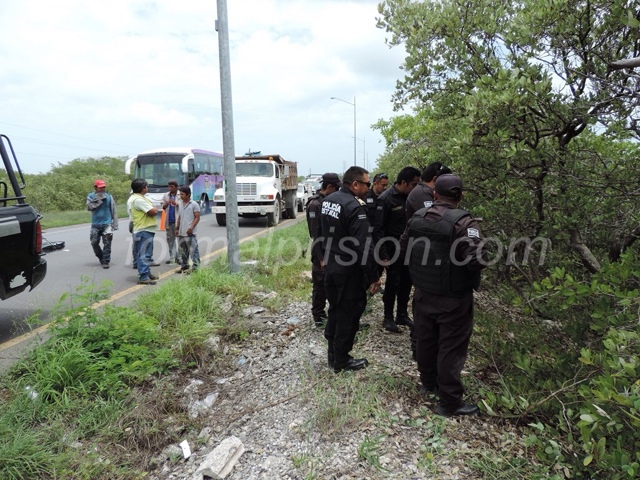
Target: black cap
x: 449, y: 185
x: 331, y: 179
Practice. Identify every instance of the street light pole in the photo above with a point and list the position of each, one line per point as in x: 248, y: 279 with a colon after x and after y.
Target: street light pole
x: 354, y: 124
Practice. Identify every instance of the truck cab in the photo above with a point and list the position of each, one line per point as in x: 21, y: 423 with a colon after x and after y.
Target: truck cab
x: 22, y: 264
x: 266, y: 186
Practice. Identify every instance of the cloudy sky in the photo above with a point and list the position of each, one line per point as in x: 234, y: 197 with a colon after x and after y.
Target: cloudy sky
x: 88, y: 79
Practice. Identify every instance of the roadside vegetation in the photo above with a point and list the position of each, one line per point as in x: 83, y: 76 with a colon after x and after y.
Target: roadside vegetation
x: 525, y: 103
x: 70, y: 409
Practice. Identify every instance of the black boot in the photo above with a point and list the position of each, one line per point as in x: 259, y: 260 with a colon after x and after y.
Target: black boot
x: 351, y: 364
x: 403, y: 319
x: 389, y: 325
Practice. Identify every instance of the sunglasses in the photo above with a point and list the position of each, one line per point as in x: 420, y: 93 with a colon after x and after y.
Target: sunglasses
x: 368, y: 184
x: 380, y: 176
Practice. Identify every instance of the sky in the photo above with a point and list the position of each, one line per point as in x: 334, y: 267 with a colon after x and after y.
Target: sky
x: 90, y: 79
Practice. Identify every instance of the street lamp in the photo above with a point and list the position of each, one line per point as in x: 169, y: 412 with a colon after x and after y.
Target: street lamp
x: 364, y: 149
x: 354, y: 124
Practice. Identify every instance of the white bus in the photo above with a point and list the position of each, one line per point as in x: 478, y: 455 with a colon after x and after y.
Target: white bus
x: 199, y: 169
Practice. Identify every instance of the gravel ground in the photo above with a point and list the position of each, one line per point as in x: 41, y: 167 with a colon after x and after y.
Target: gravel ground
x: 269, y: 400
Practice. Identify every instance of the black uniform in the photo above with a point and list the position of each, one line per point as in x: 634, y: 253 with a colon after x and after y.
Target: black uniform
x: 443, y: 297
x: 318, y: 296
x: 349, y: 269
x: 372, y: 203
x: 391, y: 222
x: 420, y: 197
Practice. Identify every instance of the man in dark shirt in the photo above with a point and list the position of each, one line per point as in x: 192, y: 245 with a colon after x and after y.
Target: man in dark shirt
x: 330, y: 183
x: 422, y: 195
x: 350, y: 266
x: 380, y: 184
x: 389, y: 225
x: 444, y: 249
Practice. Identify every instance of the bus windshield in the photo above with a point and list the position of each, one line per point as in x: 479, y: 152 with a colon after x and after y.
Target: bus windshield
x: 158, y: 169
x: 254, y: 170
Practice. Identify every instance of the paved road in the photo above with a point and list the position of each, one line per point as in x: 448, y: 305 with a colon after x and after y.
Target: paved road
x: 66, y: 269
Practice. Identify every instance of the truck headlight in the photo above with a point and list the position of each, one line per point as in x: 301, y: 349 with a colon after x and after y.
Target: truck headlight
x: 218, y: 198
x: 267, y: 197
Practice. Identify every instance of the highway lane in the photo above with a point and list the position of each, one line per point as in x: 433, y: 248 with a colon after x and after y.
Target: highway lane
x: 67, y: 268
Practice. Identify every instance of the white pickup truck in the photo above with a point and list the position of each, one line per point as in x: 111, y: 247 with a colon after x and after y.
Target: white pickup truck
x: 303, y: 195
x: 266, y: 187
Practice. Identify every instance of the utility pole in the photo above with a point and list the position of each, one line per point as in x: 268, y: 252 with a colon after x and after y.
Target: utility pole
x: 228, y: 142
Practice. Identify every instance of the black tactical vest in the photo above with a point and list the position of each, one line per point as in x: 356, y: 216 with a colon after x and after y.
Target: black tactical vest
x: 431, y: 267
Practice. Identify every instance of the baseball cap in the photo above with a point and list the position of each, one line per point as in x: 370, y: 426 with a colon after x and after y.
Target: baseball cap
x: 449, y: 185
x: 331, y: 179
x: 99, y: 183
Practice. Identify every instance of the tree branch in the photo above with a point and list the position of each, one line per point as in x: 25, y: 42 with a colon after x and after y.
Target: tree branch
x: 588, y: 259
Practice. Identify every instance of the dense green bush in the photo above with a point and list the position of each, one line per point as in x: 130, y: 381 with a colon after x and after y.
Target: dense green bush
x: 66, y: 186
x: 575, y: 380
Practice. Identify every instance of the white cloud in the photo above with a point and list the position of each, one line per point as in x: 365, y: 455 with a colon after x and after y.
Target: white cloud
x: 119, y: 77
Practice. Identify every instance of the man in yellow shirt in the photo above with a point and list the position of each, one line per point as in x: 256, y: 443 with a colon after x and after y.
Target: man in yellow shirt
x: 145, y: 225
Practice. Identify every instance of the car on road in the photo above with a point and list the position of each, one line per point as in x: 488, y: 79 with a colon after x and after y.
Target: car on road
x: 302, y: 195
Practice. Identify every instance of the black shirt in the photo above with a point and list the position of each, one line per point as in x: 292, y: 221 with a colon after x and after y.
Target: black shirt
x: 391, y: 218
x: 347, y: 241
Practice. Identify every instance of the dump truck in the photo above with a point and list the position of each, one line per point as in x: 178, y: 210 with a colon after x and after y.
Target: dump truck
x: 21, y: 264
x: 266, y: 186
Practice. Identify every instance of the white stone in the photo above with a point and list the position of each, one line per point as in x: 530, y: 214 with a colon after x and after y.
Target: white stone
x: 219, y: 463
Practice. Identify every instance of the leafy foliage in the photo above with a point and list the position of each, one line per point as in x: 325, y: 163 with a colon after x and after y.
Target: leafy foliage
x: 66, y: 186
x: 519, y: 99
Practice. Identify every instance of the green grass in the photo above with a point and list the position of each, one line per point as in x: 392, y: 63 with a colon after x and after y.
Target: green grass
x: 73, y: 400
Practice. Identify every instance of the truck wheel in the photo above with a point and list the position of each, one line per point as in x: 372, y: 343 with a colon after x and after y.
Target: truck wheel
x: 273, y: 219
x: 204, y: 205
x: 221, y: 218
x: 291, y: 212
x: 300, y: 207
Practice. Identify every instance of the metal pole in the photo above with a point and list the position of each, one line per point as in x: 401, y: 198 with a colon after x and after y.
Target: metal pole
x: 228, y: 146
x: 354, y: 131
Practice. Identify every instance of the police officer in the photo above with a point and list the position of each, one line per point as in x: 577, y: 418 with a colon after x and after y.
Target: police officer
x: 350, y: 267
x: 422, y: 195
x: 330, y: 183
x: 380, y: 184
x: 444, y: 250
x: 390, y: 223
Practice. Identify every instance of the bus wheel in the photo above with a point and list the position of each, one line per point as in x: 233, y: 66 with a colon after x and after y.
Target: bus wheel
x: 221, y: 218
x: 204, y: 205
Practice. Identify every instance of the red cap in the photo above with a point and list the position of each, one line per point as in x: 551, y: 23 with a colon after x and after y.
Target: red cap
x: 99, y: 183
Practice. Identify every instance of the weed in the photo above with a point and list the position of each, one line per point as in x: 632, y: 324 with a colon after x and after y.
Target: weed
x: 368, y: 451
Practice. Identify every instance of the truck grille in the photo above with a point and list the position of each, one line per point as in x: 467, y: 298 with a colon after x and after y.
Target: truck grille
x: 246, y: 188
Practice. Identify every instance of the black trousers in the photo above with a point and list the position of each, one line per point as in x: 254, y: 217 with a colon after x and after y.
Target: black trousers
x: 318, y: 293
x: 443, y: 327
x: 397, y: 286
x: 347, y: 297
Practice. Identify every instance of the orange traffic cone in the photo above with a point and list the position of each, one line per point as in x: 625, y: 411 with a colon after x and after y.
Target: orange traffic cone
x: 163, y: 219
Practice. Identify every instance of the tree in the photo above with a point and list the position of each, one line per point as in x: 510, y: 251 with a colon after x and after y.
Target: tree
x: 66, y: 186
x: 536, y: 119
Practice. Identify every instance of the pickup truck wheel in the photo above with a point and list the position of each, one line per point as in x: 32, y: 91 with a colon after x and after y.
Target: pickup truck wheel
x: 300, y: 207
x: 221, y: 218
